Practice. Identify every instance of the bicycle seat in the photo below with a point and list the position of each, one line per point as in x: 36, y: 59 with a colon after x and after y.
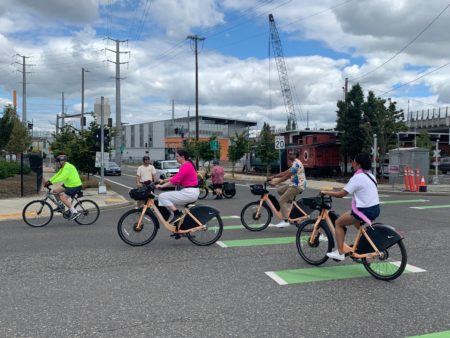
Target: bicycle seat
x: 189, y: 205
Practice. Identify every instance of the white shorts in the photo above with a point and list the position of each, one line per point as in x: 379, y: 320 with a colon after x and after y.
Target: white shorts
x: 180, y: 197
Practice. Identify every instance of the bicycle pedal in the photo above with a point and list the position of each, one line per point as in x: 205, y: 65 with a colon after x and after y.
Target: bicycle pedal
x: 357, y: 260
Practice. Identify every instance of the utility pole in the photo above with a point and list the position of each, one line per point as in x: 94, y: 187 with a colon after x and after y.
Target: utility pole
x: 102, y: 187
x: 62, y: 110
x: 118, y: 140
x: 196, y: 38
x: 82, y: 96
x: 24, y: 88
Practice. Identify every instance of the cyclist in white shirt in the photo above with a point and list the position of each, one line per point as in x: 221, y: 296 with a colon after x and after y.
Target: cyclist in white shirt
x: 365, y: 203
x: 146, y: 174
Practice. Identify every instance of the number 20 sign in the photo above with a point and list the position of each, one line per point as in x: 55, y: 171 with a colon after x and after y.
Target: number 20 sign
x: 279, y: 142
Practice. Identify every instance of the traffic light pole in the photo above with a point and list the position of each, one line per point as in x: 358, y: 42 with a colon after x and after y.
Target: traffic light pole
x: 102, y: 187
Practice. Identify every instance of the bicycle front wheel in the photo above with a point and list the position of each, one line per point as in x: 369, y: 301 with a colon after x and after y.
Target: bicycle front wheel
x: 127, y: 227
x: 89, y: 212
x: 255, y: 218
x: 314, y: 251
x: 203, y: 193
x: 37, y: 213
x: 391, y: 265
x: 231, y: 195
x: 210, y: 234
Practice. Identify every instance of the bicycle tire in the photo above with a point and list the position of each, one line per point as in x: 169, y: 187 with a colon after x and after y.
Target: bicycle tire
x: 127, y: 227
x: 214, y: 227
x: 85, y: 210
x: 248, y: 214
x: 392, y: 265
x: 203, y: 193
x: 38, y: 207
x: 314, y: 254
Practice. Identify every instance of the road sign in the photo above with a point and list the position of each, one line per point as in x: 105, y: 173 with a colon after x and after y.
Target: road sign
x: 214, y: 145
x: 394, y: 169
x: 279, y: 142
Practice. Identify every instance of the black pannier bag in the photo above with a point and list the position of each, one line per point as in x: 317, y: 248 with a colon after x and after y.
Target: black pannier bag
x: 229, y: 188
x: 139, y: 194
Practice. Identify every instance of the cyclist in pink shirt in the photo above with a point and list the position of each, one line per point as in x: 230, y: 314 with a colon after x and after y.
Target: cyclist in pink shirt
x: 217, y: 176
x: 186, y: 179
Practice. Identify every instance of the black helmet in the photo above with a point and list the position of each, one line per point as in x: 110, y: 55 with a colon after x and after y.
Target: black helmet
x: 146, y: 158
x: 215, y: 162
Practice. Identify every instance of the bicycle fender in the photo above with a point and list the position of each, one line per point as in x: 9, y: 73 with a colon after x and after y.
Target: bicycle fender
x: 382, y: 235
x: 203, y: 213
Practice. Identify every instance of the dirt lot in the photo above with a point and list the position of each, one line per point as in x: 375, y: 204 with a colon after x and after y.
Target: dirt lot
x: 10, y: 187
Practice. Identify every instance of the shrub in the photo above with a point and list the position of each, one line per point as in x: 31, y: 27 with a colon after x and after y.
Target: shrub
x: 9, y: 169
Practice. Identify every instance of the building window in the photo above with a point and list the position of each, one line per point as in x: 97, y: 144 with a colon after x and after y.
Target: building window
x: 132, y: 136
x: 141, y: 135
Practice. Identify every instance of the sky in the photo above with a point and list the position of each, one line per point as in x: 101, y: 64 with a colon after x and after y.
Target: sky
x: 397, y: 49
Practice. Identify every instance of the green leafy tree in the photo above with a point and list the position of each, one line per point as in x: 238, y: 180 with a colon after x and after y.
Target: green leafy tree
x: 265, y: 148
x: 202, y: 150
x: 237, y: 149
x: 349, y: 119
x: 383, y: 119
x: 423, y: 140
x: 20, y: 138
x: 6, y: 125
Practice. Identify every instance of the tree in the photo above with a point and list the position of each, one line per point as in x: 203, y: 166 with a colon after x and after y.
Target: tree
x: 20, y: 138
x: 349, y: 118
x: 423, y: 140
x: 383, y: 119
x: 6, y: 125
x: 237, y: 149
x: 265, y: 148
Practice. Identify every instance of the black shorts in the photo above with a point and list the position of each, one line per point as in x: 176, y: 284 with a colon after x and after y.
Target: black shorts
x: 218, y: 185
x: 371, y: 213
x: 72, y: 191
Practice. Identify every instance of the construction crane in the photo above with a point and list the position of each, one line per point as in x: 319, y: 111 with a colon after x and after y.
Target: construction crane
x: 283, y: 75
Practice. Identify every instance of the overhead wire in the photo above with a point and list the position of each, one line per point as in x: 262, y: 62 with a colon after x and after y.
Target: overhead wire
x: 403, y: 48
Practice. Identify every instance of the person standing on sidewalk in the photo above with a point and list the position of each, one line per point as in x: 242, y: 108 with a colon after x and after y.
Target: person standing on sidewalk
x: 68, y: 175
x: 146, y: 174
x: 217, y: 177
x: 288, y: 192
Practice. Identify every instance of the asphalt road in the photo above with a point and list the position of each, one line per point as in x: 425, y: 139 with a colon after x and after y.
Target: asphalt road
x: 66, y: 280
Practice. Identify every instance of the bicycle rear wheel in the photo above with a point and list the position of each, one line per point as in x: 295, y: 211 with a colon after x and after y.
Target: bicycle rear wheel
x: 130, y: 234
x: 231, y: 195
x: 314, y: 253
x: 252, y: 222
x: 89, y: 212
x: 391, y: 265
x: 211, y: 234
x: 37, y: 213
x: 203, y: 193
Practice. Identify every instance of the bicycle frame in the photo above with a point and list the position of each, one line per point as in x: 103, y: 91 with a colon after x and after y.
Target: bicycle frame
x: 150, y: 204
x: 350, y: 250
x: 265, y: 198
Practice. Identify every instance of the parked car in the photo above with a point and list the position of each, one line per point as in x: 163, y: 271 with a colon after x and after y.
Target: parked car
x: 111, y: 168
x: 443, y: 166
x: 166, y: 169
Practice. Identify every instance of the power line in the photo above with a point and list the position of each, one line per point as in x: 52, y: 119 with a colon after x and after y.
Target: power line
x: 407, y: 45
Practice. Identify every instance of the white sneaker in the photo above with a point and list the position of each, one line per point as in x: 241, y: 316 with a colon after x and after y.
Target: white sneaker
x: 282, y: 224
x: 336, y: 255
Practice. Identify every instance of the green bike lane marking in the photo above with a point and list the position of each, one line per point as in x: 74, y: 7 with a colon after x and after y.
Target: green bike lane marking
x: 256, y: 241
x: 443, y: 334
x: 230, y: 217
x: 432, y: 207
x: 319, y: 274
x: 404, y: 201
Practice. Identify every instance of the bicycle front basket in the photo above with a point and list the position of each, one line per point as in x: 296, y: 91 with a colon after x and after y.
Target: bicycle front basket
x: 139, y: 194
x: 257, y: 189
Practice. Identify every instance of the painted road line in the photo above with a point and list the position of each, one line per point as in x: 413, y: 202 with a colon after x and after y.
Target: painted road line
x: 443, y: 334
x: 122, y: 185
x: 308, y: 275
x: 256, y: 242
x: 229, y: 217
x: 443, y: 206
x: 404, y: 201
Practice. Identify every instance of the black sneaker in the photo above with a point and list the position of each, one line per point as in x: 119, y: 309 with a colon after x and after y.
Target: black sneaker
x: 176, y: 216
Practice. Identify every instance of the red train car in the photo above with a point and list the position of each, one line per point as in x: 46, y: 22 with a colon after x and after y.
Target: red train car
x: 319, y: 154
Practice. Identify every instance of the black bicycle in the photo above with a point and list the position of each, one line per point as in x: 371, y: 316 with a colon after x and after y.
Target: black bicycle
x: 228, y: 189
x: 39, y: 213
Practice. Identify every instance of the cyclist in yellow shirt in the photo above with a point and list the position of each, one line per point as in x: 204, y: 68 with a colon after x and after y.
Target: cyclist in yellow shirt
x: 68, y: 175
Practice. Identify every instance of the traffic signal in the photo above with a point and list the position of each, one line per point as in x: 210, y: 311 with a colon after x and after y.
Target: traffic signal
x: 176, y: 131
x: 30, y: 125
x: 83, y: 121
x: 110, y: 122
